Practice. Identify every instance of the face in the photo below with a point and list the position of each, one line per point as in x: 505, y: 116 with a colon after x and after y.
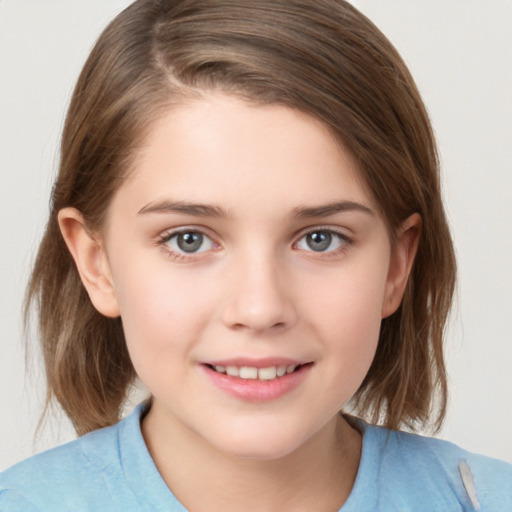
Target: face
x: 251, y: 271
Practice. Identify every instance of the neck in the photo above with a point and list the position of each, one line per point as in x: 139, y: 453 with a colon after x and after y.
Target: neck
x: 319, y: 475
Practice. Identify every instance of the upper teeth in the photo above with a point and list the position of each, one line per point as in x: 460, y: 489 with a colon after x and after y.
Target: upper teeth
x: 250, y: 372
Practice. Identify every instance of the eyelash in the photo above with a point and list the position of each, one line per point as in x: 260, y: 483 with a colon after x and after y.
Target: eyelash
x: 164, y: 239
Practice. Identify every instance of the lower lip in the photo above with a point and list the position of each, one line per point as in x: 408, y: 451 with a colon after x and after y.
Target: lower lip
x: 255, y: 390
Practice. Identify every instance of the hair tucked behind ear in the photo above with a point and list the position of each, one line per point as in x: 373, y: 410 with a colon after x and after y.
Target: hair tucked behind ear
x: 323, y: 58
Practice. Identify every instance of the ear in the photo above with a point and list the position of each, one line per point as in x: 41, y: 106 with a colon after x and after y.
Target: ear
x: 91, y: 261
x: 403, y: 253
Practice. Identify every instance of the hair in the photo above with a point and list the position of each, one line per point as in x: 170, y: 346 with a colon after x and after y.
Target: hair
x: 323, y: 58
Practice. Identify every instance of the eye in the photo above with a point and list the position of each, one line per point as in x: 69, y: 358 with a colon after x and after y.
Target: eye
x: 189, y: 242
x: 322, y: 240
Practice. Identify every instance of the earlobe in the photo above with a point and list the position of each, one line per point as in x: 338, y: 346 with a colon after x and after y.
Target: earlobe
x: 402, y: 258
x: 91, y: 261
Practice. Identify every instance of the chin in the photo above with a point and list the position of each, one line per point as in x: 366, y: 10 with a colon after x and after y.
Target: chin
x: 259, y: 443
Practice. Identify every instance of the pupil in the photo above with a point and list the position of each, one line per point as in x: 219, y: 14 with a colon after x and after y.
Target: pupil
x: 190, y: 242
x: 319, y: 241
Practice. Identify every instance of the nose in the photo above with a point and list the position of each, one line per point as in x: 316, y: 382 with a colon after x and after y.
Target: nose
x: 259, y: 297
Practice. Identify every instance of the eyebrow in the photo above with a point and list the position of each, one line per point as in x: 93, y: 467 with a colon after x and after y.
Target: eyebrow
x: 206, y: 210
x: 331, y: 209
x: 194, y: 209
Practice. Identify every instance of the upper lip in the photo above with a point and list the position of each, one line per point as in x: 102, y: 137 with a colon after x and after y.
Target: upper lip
x: 257, y: 362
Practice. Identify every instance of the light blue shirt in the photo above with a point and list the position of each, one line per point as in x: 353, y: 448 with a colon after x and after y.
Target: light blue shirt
x: 112, y: 470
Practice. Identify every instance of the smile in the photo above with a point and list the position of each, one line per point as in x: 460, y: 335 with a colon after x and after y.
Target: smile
x: 251, y: 372
x: 260, y: 382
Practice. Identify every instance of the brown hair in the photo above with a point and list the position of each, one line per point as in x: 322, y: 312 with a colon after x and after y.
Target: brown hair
x: 323, y: 58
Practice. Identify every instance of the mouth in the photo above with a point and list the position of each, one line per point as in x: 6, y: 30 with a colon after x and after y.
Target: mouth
x: 268, y: 373
x: 257, y: 381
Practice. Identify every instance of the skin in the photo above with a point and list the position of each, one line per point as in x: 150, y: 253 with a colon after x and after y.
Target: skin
x: 255, y: 289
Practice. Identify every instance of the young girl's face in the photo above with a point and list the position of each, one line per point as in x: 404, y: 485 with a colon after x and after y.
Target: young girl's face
x: 243, y: 247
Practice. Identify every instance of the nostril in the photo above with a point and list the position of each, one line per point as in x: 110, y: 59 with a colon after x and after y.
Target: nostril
x: 275, y: 326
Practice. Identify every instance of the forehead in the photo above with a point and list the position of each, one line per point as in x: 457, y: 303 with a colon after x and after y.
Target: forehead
x: 222, y: 150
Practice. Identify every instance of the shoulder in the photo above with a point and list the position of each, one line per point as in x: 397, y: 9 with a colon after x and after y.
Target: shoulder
x: 81, y: 475
x: 12, y: 501
x: 437, y: 471
x: 429, y: 453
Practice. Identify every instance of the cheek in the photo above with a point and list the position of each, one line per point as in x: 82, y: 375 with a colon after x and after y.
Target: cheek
x: 148, y: 310
x: 351, y: 297
x: 162, y: 311
x: 347, y: 314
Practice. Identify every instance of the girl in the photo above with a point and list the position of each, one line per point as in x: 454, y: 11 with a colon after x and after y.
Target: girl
x: 248, y: 218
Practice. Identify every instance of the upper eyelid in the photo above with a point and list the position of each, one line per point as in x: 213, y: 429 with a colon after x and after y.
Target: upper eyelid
x: 170, y: 232
x: 343, y: 232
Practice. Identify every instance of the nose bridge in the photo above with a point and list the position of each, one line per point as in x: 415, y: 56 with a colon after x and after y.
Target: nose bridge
x: 259, y: 296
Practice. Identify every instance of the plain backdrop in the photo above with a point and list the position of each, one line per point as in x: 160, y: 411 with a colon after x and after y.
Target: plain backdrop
x: 460, y: 52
